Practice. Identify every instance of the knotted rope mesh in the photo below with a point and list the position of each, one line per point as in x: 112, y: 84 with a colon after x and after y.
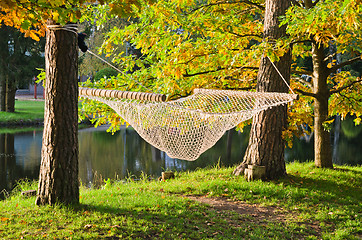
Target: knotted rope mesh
x: 187, y: 127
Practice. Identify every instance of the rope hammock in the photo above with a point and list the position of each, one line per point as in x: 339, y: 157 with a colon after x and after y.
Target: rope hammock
x: 186, y: 127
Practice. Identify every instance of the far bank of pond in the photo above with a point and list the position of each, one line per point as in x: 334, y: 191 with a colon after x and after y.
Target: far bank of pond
x: 125, y: 154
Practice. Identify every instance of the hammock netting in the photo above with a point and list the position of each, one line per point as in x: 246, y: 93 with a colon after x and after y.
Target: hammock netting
x: 187, y: 127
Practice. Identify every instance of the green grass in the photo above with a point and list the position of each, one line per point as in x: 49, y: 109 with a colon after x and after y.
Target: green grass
x: 310, y: 203
x: 25, y: 112
x: 17, y: 129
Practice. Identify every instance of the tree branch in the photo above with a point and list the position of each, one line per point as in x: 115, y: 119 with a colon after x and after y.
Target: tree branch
x: 295, y: 2
x: 330, y: 56
x: 315, y: 3
x: 348, y: 62
x: 352, y: 101
x: 196, y: 56
x: 309, y: 3
x: 228, y: 2
x: 245, y: 35
x: 304, y: 82
x: 300, y: 41
x: 345, y: 87
x: 306, y: 93
x: 216, y: 70
x: 302, y: 72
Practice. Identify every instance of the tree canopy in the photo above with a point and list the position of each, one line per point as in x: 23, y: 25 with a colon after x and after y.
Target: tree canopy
x: 327, y: 23
x: 218, y: 44
x: 31, y: 16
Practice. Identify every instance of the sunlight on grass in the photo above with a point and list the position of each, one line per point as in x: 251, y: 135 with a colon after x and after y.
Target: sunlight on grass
x: 25, y: 111
x: 312, y: 203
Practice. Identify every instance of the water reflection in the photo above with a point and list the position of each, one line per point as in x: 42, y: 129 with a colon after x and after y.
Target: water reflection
x: 125, y: 153
x: 19, y: 158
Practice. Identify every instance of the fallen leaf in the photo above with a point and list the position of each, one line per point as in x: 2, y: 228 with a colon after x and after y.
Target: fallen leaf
x: 88, y: 226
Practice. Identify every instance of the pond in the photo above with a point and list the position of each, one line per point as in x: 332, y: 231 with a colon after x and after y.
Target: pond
x: 125, y: 154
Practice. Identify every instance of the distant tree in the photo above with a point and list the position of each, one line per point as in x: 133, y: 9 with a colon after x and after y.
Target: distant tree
x: 19, y: 58
x: 313, y: 28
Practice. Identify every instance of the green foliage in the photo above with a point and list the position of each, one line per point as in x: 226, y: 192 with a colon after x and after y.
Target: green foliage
x: 88, y: 64
x: 41, y: 76
x: 349, y: 129
x: 184, y: 46
x: 191, y: 44
x: 19, y: 57
x: 105, y: 73
x: 332, y: 26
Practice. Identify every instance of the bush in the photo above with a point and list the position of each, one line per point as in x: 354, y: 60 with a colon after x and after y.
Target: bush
x: 105, y: 72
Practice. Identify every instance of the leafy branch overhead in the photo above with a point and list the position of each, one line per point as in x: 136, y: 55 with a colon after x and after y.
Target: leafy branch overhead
x: 30, y: 17
x: 186, y: 44
x: 328, y: 32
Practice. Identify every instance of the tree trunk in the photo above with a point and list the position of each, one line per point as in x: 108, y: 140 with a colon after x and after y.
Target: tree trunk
x: 229, y: 144
x: 58, y: 181
x: 4, y: 51
x: 266, y: 146
x: 322, y: 140
x: 2, y: 91
x: 10, y: 94
x: 337, y: 131
x: 156, y: 154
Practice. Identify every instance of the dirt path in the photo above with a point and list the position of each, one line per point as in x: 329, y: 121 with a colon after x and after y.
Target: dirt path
x: 257, y: 213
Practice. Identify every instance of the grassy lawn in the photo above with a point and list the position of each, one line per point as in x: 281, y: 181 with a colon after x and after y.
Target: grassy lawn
x: 308, y: 204
x: 25, y: 112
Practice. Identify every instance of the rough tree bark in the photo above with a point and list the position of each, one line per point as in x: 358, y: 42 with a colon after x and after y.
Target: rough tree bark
x: 322, y: 139
x: 58, y: 181
x: 266, y: 146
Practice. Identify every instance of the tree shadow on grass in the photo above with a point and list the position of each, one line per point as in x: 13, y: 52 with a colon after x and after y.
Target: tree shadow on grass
x: 187, y: 219
x: 344, y: 189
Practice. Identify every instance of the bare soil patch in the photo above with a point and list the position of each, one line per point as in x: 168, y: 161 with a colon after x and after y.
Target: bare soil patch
x: 256, y: 213
x: 253, y: 210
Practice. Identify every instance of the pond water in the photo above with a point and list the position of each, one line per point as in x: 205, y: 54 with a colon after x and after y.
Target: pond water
x: 125, y: 154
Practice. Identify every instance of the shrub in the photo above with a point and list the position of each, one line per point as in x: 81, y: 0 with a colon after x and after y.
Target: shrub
x: 105, y: 72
